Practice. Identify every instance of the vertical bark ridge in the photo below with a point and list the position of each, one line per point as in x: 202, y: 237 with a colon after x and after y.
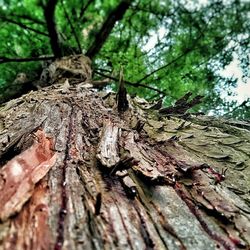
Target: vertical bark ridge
x: 63, y: 209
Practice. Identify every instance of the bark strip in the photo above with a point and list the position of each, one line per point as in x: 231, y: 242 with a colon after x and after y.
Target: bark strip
x: 19, y: 176
x: 108, y: 153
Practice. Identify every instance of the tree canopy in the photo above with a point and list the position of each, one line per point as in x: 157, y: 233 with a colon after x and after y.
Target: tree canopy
x: 165, y: 48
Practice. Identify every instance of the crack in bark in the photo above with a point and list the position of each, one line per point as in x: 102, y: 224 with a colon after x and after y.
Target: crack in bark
x: 213, y: 235
x: 63, y: 209
x: 144, y: 232
x: 123, y: 223
x: 89, y: 222
x: 167, y: 227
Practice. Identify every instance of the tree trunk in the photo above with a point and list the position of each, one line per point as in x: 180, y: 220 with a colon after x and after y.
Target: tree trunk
x: 77, y: 174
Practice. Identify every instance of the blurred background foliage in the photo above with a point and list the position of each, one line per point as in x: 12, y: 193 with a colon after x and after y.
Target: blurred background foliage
x: 172, y: 46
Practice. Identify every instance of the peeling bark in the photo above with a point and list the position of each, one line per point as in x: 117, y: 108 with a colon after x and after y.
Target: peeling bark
x: 111, y: 180
x: 19, y: 176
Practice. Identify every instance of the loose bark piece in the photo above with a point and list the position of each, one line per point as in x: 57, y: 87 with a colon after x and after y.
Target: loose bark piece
x: 122, y: 101
x: 19, y: 176
x: 108, y: 153
x: 130, y: 186
x: 145, y: 167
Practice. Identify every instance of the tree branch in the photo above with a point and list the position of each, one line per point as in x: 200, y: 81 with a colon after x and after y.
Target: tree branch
x: 165, y: 66
x: 182, y: 105
x: 72, y: 29
x: 4, y: 59
x: 131, y: 83
x: 24, y: 26
x: 84, y: 8
x: 49, y: 14
x: 108, y: 25
x: 29, y: 18
x: 187, y: 51
x: 242, y: 105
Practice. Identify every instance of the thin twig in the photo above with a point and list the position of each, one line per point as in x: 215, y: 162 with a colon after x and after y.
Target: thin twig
x: 84, y: 8
x: 181, y: 55
x: 23, y: 26
x: 29, y: 18
x: 72, y: 28
x: 164, y: 66
x: 243, y: 104
x: 131, y: 83
x: 4, y: 59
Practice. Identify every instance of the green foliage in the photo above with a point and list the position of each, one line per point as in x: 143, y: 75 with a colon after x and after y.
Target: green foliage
x: 173, y: 46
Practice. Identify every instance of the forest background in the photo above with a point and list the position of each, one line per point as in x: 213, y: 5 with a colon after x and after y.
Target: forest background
x: 166, y: 48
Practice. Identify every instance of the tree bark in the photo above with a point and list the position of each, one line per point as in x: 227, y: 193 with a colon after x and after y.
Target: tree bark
x: 77, y: 174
